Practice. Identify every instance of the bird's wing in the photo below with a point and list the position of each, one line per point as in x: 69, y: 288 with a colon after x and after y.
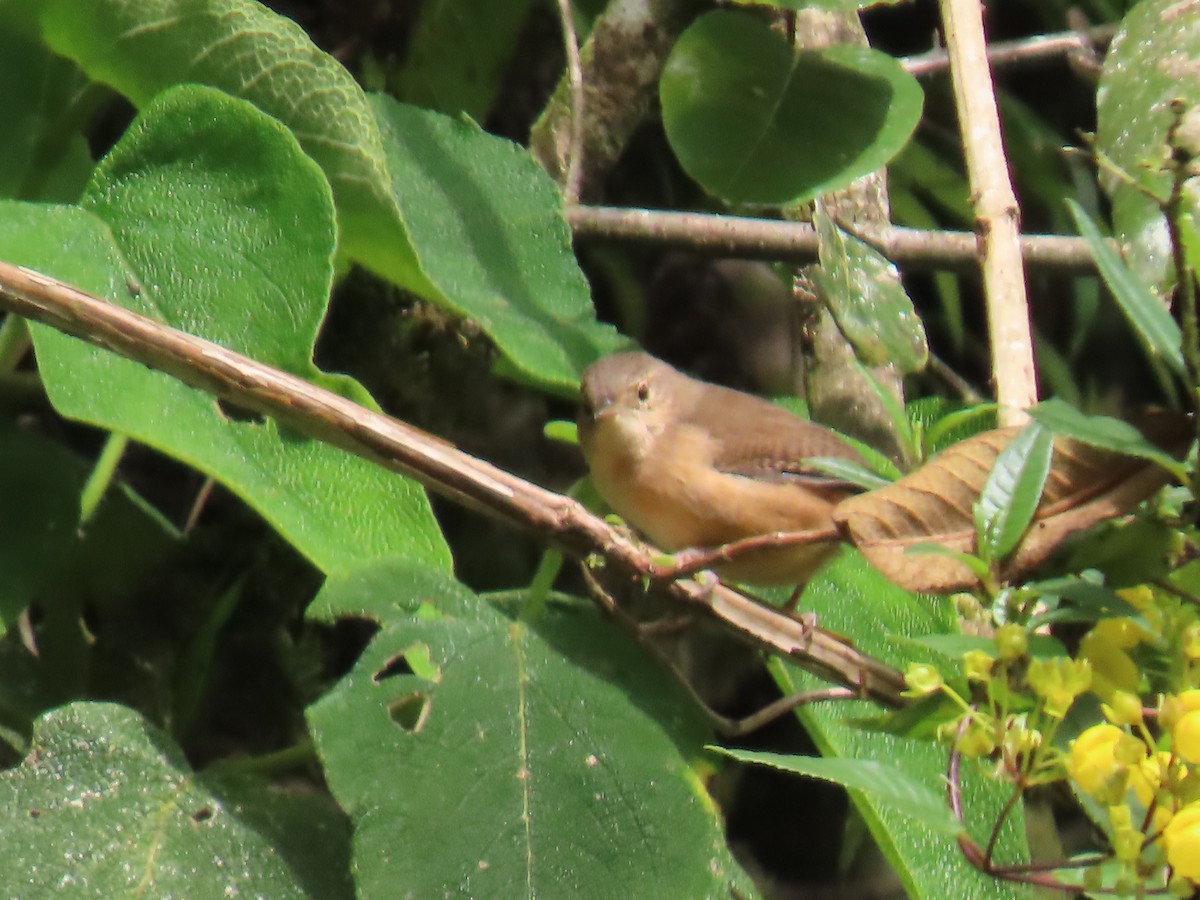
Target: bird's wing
x: 766, y: 442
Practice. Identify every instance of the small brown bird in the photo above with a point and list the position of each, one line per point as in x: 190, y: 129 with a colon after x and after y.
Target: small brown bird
x: 692, y: 464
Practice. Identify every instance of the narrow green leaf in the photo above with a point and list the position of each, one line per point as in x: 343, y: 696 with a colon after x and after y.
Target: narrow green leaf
x: 754, y: 121
x: 1012, y: 491
x: 1104, y: 432
x: 977, y: 566
x: 955, y: 645
x: 885, y: 784
x: 847, y: 471
x: 896, y: 413
x: 957, y: 426
x: 560, y: 430
x: 1149, y: 316
x: 1088, y: 601
x: 863, y: 291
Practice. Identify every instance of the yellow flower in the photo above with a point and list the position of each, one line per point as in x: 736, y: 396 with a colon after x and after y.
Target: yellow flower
x: 978, y: 665
x: 1059, y: 681
x: 1123, y: 708
x: 1151, y: 774
x: 1142, y: 599
x: 976, y: 741
x: 1126, y: 840
x: 1112, y: 669
x: 922, y: 679
x: 1191, y: 642
x: 1122, y: 632
x: 1011, y: 642
x: 1185, y: 736
x: 1181, y: 838
x: 1094, y: 764
x: 1176, y: 706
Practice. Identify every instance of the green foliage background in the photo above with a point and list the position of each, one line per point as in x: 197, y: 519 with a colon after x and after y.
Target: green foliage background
x: 178, y: 711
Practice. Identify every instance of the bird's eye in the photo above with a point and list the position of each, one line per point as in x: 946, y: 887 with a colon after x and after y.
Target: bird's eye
x: 643, y: 391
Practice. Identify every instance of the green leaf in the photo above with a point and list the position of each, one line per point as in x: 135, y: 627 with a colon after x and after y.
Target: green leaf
x: 505, y: 260
x: 209, y: 217
x: 486, y: 222
x: 957, y: 426
x: 1104, y: 432
x: 888, y: 786
x: 531, y: 758
x: 43, y: 551
x: 1149, y: 316
x: 44, y: 154
x: 754, y: 121
x: 1151, y: 62
x: 863, y: 291
x: 1127, y: 552
x: 954, y: 646
x: 1012, y: 491
x: 849, y: 597
x: 847, y: 471
x: 1089, y: 601
x: 456, y: 58
x: 106, y: 806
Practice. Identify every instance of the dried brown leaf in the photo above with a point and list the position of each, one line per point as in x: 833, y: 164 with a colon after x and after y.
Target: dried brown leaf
x: 934, y: 505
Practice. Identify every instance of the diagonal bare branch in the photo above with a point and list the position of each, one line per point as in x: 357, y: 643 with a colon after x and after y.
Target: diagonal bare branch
x: 438, y: 465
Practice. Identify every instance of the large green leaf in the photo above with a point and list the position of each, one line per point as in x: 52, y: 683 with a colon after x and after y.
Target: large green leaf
x: 106, y: 806
x: 494, y: 757
x: 755, y: 121
x: 887, y: 784
x: 864, y: 293
x: 534, y: 303
x: 850, y: 597
x: 209, y: 217
x: 1154, y: 59
x: 485, y: 221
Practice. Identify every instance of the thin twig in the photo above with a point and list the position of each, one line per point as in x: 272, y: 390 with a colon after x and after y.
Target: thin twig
x: 997, y: 215
x: 797, y: 241
x: 727, y: 726
x: 573, y: 183
x: 1018, y: 52
x: 441, y: 467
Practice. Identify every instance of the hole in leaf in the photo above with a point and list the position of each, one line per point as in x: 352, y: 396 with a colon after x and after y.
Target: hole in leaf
x: 397, y: 665
x: 235, y: 413
x: 415, y: 660
x: 203, y: 814
x: 342, y: 642
x: 410, y: 711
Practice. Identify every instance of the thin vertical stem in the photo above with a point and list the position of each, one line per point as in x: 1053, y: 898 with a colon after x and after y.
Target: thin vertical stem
x: 573, y: 183
x: 997, y: 216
